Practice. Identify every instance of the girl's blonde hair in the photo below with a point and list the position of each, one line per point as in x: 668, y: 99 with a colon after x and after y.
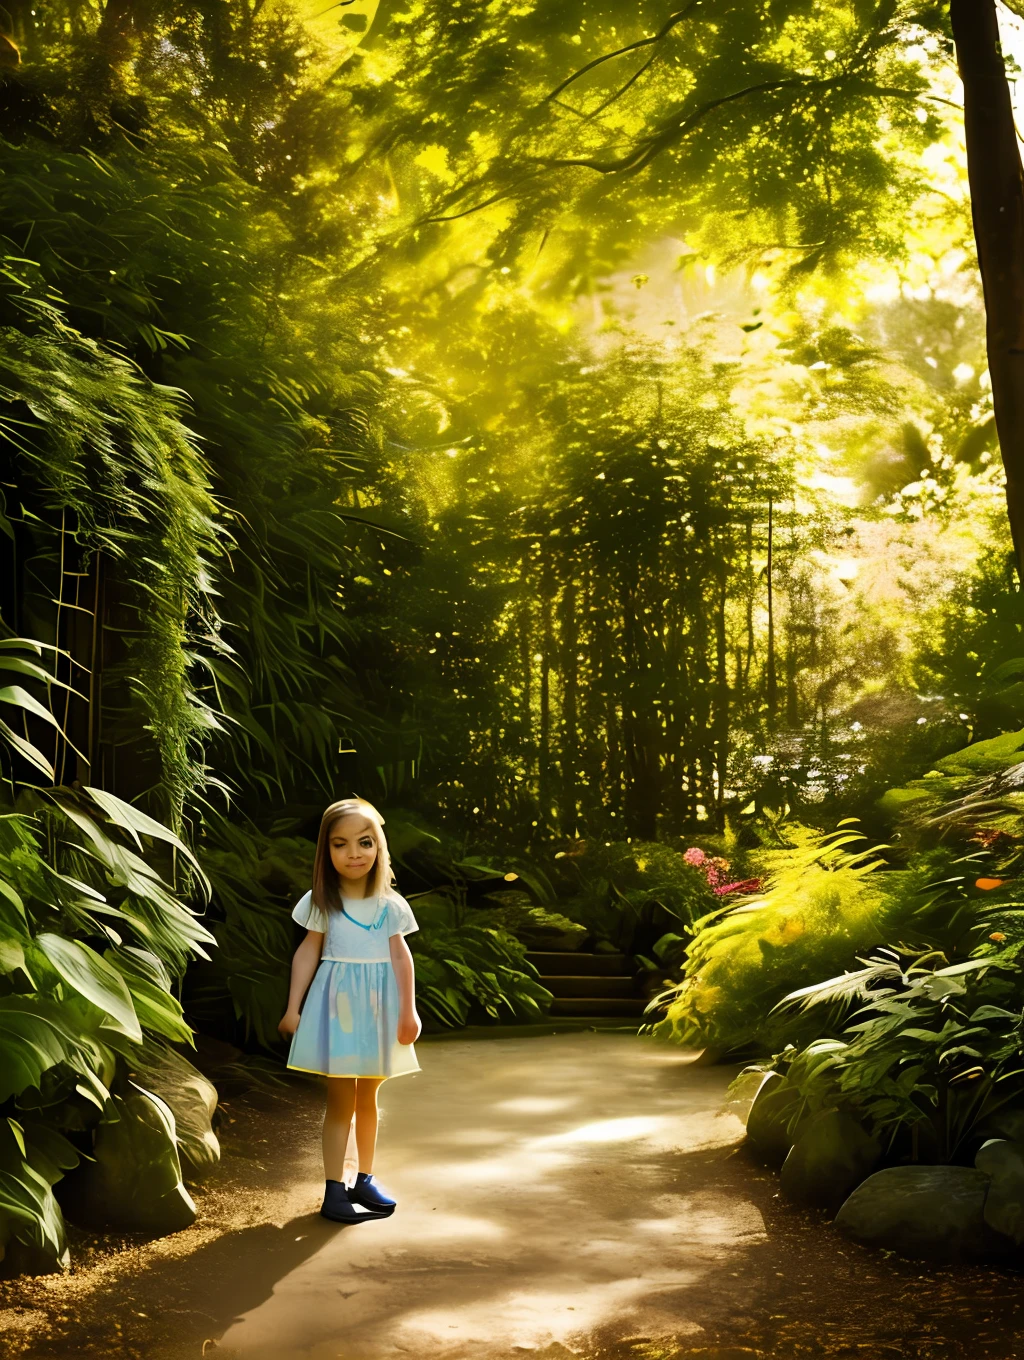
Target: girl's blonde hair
x: 326, y: 884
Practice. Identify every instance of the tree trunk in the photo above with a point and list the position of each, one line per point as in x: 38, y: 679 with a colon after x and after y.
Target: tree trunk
x: 792, y: 692
x: 544, y: 754
x: 570, y: 756
x: 526, y: 703
x: 116, y: 31
x: 771, y: 678
x: 721, y: 709
x: 749, y: 578
x: 641, y: 744
x: 997, y: 206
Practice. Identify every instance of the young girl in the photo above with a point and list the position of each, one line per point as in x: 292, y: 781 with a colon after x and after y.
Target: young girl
x: 359, y: 1022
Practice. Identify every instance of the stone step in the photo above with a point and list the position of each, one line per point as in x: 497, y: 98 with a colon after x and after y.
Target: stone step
x: 591, y: 965
x: 576, y: 984
x: 598, y: 1005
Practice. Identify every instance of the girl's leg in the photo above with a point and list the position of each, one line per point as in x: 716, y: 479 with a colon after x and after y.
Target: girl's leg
x: 341, y: 1099
x: 366, y: 1120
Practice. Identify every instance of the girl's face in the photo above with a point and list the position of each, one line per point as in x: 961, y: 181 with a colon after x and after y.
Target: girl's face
x: 353, y: 847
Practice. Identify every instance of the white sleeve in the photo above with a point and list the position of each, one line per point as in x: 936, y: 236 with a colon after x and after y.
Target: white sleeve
x: 309, y: 915
x: 400, y: 918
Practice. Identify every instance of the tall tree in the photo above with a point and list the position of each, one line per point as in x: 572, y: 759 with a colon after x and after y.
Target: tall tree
x: 749, y: 126
x: 997, y: 204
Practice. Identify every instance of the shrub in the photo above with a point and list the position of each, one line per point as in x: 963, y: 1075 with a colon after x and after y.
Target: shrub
x: 464, y: 969
x: 824, y: 902
x: 932, y: 1055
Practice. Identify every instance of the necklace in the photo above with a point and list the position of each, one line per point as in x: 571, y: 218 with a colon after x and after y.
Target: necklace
x: 376, y: 925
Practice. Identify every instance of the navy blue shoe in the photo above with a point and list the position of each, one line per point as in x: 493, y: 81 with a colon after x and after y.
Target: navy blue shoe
x: 340, y: 1208
x: 369, y: 1194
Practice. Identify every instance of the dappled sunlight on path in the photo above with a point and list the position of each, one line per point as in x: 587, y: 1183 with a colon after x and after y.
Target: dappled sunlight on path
x: 548, y: 1187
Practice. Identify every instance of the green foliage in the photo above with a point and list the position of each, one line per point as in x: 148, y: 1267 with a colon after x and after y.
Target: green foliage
x: 536, y: 927
x: 587, y: 634
x: 133, y: 1180
x: 32, y: 1159
x: 972, y: 799
x: 824, y: 902
x: 974, y: 655
x: 189, y: 1096
x: 107, y: 471
x: 920, y: 1038
x: 641, y: 873
x: 932, y: 1055
x: 275, y: 670
x: 984, y: 757
x: 629, y: 893
x: 256, y: 880
x: 762, y: 118
x: 92, y: 942
x: 466, y: 971
x: 340, y: 458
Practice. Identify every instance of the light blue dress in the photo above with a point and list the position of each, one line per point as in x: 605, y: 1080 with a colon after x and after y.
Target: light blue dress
x: 349, y: 1021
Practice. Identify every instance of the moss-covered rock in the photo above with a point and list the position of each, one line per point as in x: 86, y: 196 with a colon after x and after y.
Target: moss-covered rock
x: 830, y: 1159
x: 1003, y: 1163
x: 134, y: 1180
x: 934, y: 1212
x: 768, y: 1121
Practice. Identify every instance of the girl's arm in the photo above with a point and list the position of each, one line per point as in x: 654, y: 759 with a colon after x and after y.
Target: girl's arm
x: 304, y: 965
x: 409, y: 1025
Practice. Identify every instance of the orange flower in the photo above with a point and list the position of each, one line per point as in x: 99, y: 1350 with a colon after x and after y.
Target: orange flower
x: 985, y: 884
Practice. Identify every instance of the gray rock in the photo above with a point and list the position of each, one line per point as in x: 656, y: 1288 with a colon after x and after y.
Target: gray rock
x: 768, y: 1120
x: 936, y: 1212
x: 830, y: 1159
x: 1003, y: 1162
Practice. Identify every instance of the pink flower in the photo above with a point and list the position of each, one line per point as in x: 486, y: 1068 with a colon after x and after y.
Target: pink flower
x: 694, y: 855
x: 747, y: 885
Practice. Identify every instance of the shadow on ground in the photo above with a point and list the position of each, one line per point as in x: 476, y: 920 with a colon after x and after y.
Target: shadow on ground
x: 575, y: 1195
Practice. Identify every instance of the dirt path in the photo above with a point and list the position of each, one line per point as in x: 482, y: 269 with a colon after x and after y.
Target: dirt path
x: 538, y: 1203
x: 559, y: 1195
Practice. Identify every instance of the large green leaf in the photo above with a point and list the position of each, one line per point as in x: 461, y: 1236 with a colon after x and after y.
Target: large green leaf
x: 155, y: 1007
x: 12, y: 956
x: 32, y: 1040
x: 92, y: 977
x: 20, y: 698
x: 144, y: 963
x: 19, y: 666
x: 133, y: 1181
x: 137, y: 824
x: 191, y: 1098
x: 27, y: 1199
x: 153, y: 911
x: 25, y: 748
x: 47, y: 1151
x: 9, y: 894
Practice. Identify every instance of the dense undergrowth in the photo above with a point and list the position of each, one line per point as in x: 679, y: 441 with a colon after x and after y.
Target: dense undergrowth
x: 882, y: 980
x: 302, y: 494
